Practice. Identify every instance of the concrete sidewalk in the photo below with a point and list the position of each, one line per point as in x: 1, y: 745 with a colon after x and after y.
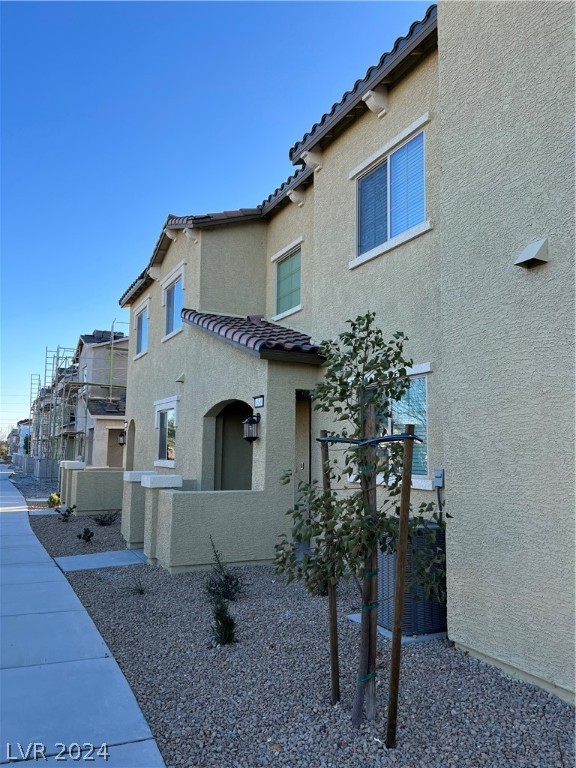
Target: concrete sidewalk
x: 60, y: 687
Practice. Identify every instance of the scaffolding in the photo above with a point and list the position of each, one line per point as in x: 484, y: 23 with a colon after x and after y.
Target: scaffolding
x: 59, y: 405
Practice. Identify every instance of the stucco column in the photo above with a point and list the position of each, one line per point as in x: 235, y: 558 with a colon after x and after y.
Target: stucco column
x: 152, y: 485
x: 133, y: 502
x: 65, y: 485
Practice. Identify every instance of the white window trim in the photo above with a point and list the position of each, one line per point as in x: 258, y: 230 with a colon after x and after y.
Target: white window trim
x: 294, y: 246
x: 288, y: 312
x: 171, y: 277
x: 389, y: 245
x: 375, y: 158
x: 160, y: 406
x: 286, y: 250
x: 418, y: 482
x: 366, y: 167
x: 166, y: 404
x: 165, y: 463
x: 171, y: 334
x: 142, y: 306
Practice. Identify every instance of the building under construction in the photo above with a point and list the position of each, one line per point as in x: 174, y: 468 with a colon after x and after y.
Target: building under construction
x: 77, y: 408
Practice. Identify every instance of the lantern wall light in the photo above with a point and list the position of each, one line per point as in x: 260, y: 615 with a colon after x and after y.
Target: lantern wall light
x: 251, y: 427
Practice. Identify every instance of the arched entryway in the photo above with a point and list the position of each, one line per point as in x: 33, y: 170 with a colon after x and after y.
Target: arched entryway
x: 130, y: 440
x: 233, y: 454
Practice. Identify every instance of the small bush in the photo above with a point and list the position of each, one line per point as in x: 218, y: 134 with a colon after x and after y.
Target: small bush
x: 224, y: 627
x: 137, y: 587
x: 66, y: 514
x: 86, y: 535
x: 222, y: 583
x: 53, y: 500
x: 106, y: 518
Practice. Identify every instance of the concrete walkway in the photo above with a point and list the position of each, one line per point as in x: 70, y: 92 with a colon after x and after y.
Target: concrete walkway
x: 60, y: 687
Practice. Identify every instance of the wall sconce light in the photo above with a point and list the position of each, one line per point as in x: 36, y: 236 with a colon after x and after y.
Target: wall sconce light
x: 122, y: 438
x: 258, y: 401
x: 251, y: 427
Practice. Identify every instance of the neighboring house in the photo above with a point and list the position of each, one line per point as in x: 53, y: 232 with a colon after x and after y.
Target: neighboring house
x: 13, y: 441
x: 438, y: 193
x: 100, y: 398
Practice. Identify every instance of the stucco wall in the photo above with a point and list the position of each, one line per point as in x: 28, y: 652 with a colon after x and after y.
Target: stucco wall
x: 96, y: 490
x: 507, y: 135
x: 232, y: 272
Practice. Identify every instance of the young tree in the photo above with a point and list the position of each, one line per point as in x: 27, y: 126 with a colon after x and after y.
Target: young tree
x: 342, y: 527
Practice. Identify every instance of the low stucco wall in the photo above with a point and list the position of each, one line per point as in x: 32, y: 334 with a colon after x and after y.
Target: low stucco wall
x: 96, y: 490
x: 243, y: 524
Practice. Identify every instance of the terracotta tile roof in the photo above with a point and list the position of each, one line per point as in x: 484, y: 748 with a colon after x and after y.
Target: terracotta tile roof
x: 392, y: 65
x: 260, y: 337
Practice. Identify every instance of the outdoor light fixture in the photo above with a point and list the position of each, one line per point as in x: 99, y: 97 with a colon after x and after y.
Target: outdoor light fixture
x: 258, y: 401
x: 251, y: 427
x: 122, y: 438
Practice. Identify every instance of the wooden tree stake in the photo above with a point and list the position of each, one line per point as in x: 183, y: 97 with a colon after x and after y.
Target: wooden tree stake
x: 332, y: 606
x: 401, y: 558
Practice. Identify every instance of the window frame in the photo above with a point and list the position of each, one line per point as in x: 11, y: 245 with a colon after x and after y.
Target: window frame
x: 371, y: 164
x: 142, y: 309
x: 167, y: 282
x: 160, y: 407
x: 280, y: 258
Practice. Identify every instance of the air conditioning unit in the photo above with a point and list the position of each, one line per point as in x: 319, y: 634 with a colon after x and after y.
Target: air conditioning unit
x: 421, y: 616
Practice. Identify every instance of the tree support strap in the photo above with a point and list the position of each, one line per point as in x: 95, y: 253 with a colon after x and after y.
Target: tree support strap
x: 366, y: 678
x: 369, y: 574
x: 369, y: 606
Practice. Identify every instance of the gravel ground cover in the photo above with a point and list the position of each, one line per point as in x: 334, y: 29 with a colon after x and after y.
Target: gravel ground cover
x: 265, y: 701
x: 60, y: 539
x: 33, y: 489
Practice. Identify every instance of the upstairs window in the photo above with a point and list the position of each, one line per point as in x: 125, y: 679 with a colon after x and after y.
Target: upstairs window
x: 288, y: 283
x: 142, y: 331
x: 391, y: 197
x: 174, y: 304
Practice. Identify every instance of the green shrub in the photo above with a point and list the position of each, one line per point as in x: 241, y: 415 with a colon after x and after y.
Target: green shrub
x: 222, y: 583
x: 86, y: 535
x: 66, y: 514
x: 53, y: 500
x: 224, y: 627
x: 106, y: 518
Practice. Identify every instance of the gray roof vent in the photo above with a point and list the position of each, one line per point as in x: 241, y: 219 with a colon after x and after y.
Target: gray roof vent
x: 533, y: 255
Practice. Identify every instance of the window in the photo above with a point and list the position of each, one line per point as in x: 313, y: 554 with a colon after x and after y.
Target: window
x: 391, y: 197
x: 288, y: 283
x: 142, y: 331
x: 174, y: 304
x: 412, y: 409
x: 166, y: 422
x: 167, y: 435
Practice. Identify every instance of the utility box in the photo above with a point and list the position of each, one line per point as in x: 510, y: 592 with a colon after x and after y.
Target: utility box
x: 421, y: 616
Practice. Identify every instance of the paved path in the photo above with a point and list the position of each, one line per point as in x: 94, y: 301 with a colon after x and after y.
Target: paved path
x: 60, y: 687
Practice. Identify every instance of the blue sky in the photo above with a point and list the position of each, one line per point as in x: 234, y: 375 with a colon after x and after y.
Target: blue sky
x: 115, y: 114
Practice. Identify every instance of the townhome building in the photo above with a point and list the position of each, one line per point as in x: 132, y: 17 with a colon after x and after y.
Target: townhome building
x: 439, y: 194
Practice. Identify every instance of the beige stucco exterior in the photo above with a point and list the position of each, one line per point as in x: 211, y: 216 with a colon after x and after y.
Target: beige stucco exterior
x: 498, y: 362
x: 507, y: 373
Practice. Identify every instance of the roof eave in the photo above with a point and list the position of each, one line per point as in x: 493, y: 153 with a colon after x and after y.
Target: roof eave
x: 414, y: 50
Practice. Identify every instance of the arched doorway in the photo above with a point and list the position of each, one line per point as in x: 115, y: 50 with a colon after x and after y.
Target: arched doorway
x: 130, y: 439
x: 233, y: 454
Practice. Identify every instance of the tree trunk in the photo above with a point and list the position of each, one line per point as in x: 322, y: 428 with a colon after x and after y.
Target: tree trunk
x: 366, y: 681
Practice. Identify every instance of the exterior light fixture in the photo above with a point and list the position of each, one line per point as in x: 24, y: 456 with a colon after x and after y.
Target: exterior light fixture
x: 258, y: 401
x: 251, y: 427
x: 122, y: 438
